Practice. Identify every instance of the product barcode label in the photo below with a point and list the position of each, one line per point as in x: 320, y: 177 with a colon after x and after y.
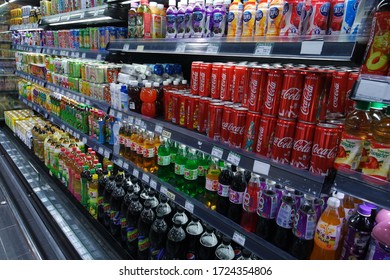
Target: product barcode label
x: 107, y: 154
x: 145, y: 178
x: 166, y: 134
x: 263, y: 49
x: 158, y: 129
x: 153, y: 184
x: 135, y: 173
x: 126, y: 47
x: 189, y: 206
x: 213, y: 48
x: 234, y: 158
x: 181, y: 48
x: 217, y: 152
x: 239, y: 238
x: 125, y: 166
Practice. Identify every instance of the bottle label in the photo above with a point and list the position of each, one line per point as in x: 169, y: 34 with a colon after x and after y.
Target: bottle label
x: 143, y: 243
x: 378, y: 164
x: 132, y: 234
x: 128, y: 143
x: 350, y: 152
x: 198, y: 18
x: 190, y: 174
x: 285, y: 216
x: 365, y: 153
x: 356, y: 239
x: 100, y: 201
x: 251, y: 201
x: 106, y: 207
x: 236, y: 197
x: 123, y: 223
x: 223, y: 190
x: 113, y: 214
x: 131, y: 105
x: 163, y: 160
x: 179, y: 169
x: 202, y: 170
x: 348, y: 213
x: 140, y: 150
x: 148, y: 153
x: 304, y: 225
x: 134, y: 146
x: 327, y: 236
x: 212, y: 185
x: 268, y: 206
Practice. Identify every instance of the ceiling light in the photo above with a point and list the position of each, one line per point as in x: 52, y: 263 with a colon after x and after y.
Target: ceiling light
x: 80, y: 20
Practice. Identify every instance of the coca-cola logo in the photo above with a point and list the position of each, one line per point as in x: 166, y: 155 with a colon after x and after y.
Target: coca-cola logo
x: 213, y: 83
x: 284, y: 143
x: 291, y: 94
x: 223, y: 84
x: 324, y: 152
x: 194, y: 81
x: 233, y: 128
x: 302, y: 145
x: 307, y: 97
x: 336, y: 91
x: 253, y: 92
x: 202, y: 81
x: 271, y: 90
x: 260, y: 139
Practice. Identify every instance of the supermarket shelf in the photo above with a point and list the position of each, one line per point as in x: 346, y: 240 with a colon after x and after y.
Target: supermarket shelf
x: 36, y: 49
x: 31, y: 78
x: 7, y: 75
x: 257, y: 245
x: 372, y: 88
x: 301, y: 180
x: 8, y: 92
x: 5, y: 42
x: 328, y: 48
x: 7, y: 58
x: 363, y: 187
x: 25, y: 27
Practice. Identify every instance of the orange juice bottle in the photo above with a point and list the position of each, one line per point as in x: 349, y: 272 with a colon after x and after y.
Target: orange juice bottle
x: 275, y: 16
x: 344, y: 223
x: 149, y: 153
x: 234, y: 19
x: 261, y: 18
x: 328, y: 232
x: 140, y: 148
x: 134, y: 144
x: 248, y: 19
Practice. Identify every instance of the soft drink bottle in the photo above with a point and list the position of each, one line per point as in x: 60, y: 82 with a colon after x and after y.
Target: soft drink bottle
x: 149, y: 153
x: 110, y: 187
x: 180, y: 216
x: 77, y: 180
x: 303, y: 231
x: 134, y: 144
x: 144, y: 194
x: 173, y: 148
x: 328, y: 232
x: 358, y: 234
x: 194, y: 230
x: 208, y: 243
x: 203, y: 165
x: 103, y: 181
x: 266, y: 212
x: 158, y: 237
x: 145, y: 221
x: 152, y: 199
x: 124, y: 208
x: 165, y: 210
x: 133, y: 213
x: 225, y: 250
x: 380, y: 243
x: 340, y: 196
x: 236, y: 196
x: 224, y: 182
x: 140, y: 148
x: 176, y: 243
x: 245, y: 255
x: 250, y: 203
x: 212, y: 185
x: 164, y: 161
x: 180, y: 161
x: 134, y: 97
x: 115, y: 206
x: 285, y: 220
x: 191, y: 173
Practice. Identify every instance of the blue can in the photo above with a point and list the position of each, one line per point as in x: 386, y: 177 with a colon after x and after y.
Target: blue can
x: 121, y: 33
x: 102, y: 38
x: 112, y: 31
x: 76, y: 39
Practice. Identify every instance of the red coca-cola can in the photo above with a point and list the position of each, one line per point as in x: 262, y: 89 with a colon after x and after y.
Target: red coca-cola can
x: 214, y: 122
x: 204, y: 103
x: 175, y: 99
x: 272, y: 93
x: 291, y: 94
x: 227, y: 119
x: 327, y: 76
x: 350, y: 104
x: 324, y: 151
x: 215, y: 87
x: 236, y: 131
x: 311, y: 96
x: 338, y: 93
x: 192, y: 112
x: 226, y: 82
x: 184, y: 99
x: 283, y: 140
x: 205, y: 79
x: 303, y: 142
x: 340, y: 123
x: 240, y: 81
x: 251, y: 130
x: 168, y: 109
x: 195, y: 69
x: 265, y: 135
x: 256, y: 88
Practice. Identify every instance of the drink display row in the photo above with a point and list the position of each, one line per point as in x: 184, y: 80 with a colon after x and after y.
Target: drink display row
x: 54, y: 7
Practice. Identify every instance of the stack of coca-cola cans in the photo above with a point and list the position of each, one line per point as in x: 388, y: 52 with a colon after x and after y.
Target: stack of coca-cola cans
x: 292, y: 114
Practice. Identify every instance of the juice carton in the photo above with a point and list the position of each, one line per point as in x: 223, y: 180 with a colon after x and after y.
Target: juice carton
x: 318, y: 23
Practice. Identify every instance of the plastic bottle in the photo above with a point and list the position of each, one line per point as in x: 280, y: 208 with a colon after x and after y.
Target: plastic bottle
x: 156, y: 20
x: 208, y: 243
x: 149, y: 153
x: 124, y: 208
x: 133, y: 213
x: 172, y: 19
x: 261, y: 18
x: 107, y: 198
x: 93, y: 195
x: 163, y: 16
x: 224, y: 251
x: 194, y: 231
x: 327, y: 235
x: 349, y: 207
x: 250, y: 203
x: 175, y: 245
x: 356, y: 130
x: 134, y: 144
x: 180, y: 19
x: 158, y: 237
x: 266, y: 212
x: 248, y: 19
x: 188, y: 19
x: 144, y: 20
x: 218, y: 21
x: 208, y: 25
x: 165, y: 209
x: 173, y: 148
x: 144, y: 194
x: 378, y: 165
x: 274, y: 19
x: 134, y: 96
x: 191, y: 173
x: 164, y: 161
x: 224, y: 183
x: 77, y: 180
x: 198, y: 19
x: 236, y: 196
x: 358, y: 235
x: 203, y: 165
x: 212, y: 186
x: 140, y: 148
x: 180, y: 216
x: 132, y: 20
x: 63, y: 174
x: 152, y: 199
x: 234, y: 19
x: 180, y: 161
x: 145, y: 221
x: 379, y: 248
x: 245, y: 255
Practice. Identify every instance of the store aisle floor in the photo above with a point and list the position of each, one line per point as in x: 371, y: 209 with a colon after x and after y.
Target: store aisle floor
x: 14, y: 241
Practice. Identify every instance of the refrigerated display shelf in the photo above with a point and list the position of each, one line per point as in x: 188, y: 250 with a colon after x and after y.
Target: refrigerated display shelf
x: 328, y: 48
x: 25, y: 27
x: 373, y: 88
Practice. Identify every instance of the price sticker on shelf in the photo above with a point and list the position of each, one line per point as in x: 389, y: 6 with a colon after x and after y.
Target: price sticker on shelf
x: 77, y: 135
x: 140, y: 48
x: 99, y: 57
x: 125, y: 166
x: 51, y: 119
x: 263, y: 49
x: 239, y: 238
x: 166, y: 134
x: 189, y: 206
x: 62, y: 127
x: 213, y: 48
x: 101, y: 151
x: 126, y: 47
x: 83, y: 55
x: 67, y: 130
x: 145, y: 178
x: 37, y: 50
x: 158, y: 129
x: 217, y: 152
x: 85, y: 140
x: 170, y: 195
x: 130, y: 120
x: 153, y: 184
x: 77, y: 54
x: 119, y: 162
x: 163, y: 190
x: 312, y: 47
x: 82, y: 99
x: 135, y: 173
x: 72, y: 54
x: 234, y: 158
x: 25, y: 101
x: 261, y: 167
x: 137, y: 122
x: 87, y: 102
x: 107, y: 153
x: 180, y: 47
x: 119, y: 115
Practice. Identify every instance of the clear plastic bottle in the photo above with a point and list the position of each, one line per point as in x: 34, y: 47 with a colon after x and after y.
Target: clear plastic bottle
x: 144, y: 20
x: 225, y: 250
x: 164, y: 161
x: 224, y: 183
x: 149, y: 150
x: 250, y: 204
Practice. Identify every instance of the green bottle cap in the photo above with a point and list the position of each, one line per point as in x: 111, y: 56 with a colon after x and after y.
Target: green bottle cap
x: 362, y: 105
x: 86, y: 167
x: 98, y: 165
x: 377, y: 105
x: 109, y: 167
x: 388, y: 110
x: 93, y: 171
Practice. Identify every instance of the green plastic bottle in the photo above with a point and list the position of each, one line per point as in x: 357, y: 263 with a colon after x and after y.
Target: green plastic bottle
x: 203, y: 164
x: 191, y: 173
x: 93, y: 194
x: 164, y: 160
x: 180, y: 162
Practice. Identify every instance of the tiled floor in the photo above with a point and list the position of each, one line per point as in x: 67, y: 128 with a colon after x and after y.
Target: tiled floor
x: 13, y: 242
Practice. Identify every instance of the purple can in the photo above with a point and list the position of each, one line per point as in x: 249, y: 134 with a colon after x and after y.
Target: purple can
x: 268, y: 204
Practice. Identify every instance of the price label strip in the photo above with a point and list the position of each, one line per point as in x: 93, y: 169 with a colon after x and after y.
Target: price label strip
x: 153, y: 184
x: 263, y: 49
x: 145, y: 178
x: 217, y: 152
x: 234, y: 158
x: 189, y: 206
x: 135, y: 173
x: 239, y: 238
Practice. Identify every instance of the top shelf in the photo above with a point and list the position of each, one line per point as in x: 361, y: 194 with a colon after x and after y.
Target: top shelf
x: 302, y: 48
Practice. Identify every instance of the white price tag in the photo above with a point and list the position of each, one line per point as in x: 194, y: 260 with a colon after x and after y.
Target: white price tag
x: 99, y: 57
x: 373, y: 90
x: 261, y: 167
x: 312, y: 47
x: 263, y: 49
x: 234, y: 158
x: 189, y: 206
x: 85, y: 140
x: 217, y: 152
x: 212, y: 48
x: 37, y: 50
x: 67, y: 53
x: 166, y: 134
x: 51, y: 119
x: 125, y: 166
x: 163, y: 190
x: 72, y: 54
x: 126, y: 47
x: 83, y: 55
x: 107, y: 153
x: 67, y: 130
x: 239, y: 238
x: 180, y: 47
x: 77, y: 135
x: 137, y: 122
x: 145, y: 178
x: 135, y: 173
x: 101, y: 151
x: 170, y: 195
x: 158, y: 129
x: 62, y: 127
x: 119, y: 115
x: 153, y: 184
x: 77, y: 54
x: 130, y: 120
x: 140, y: 48
x: 87, y: 102
x: 119, y: 162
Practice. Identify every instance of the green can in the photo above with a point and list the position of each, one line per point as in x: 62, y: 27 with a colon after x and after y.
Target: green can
x: 55, y: 36
x: 87, y: 39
